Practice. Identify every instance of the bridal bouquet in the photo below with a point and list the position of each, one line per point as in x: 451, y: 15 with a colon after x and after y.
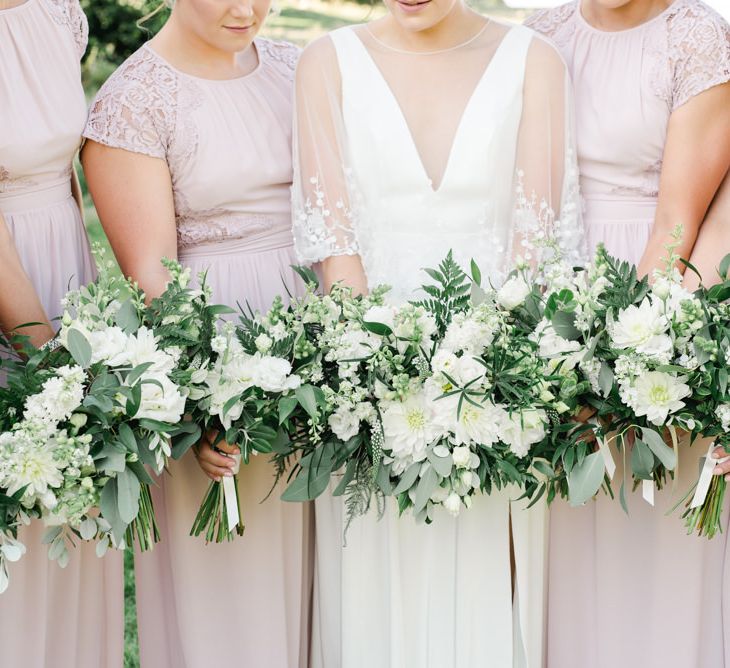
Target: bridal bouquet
x: 654, y: 359
x: 430, y: 402
x: 92, y: 413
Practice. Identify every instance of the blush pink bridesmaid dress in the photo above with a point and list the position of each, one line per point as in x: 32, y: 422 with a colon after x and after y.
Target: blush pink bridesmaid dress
x: 635, y: 591
x: 228, y: 147
x: 50, y: 617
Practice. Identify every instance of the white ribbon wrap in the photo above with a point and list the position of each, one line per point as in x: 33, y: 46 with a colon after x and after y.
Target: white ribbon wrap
x: 647, y: 491
x: 604, y: 450
x: 231, y: 496
x: 703, y: 484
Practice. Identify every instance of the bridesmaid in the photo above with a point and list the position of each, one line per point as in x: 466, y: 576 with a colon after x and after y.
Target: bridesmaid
x: 653, y: 132
x: 72, y: 617
x: 188, y: 155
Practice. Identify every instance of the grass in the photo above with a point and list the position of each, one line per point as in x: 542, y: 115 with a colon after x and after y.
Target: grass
x: 299, y: 23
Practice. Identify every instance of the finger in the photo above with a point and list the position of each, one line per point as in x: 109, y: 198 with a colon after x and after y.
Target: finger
x: 215, y: 472
x: 719, y: 452
x: 228, y: 449
x: 585, y: 414
x: 216, y: 459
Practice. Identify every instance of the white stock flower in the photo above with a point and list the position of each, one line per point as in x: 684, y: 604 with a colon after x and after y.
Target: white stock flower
x: 658, y: 394
x: 522, y: 429
x: 723, y: 414
x: 409, y: 428
x: 642, y: 328
x: 161, y: 399
x: 513, y: 293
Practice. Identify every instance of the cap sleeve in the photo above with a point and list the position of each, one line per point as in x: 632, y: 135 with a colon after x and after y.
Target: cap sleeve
x: 700, y: 51
x: 70, y: 14
x: 283, y: 54
x: 135, y: 108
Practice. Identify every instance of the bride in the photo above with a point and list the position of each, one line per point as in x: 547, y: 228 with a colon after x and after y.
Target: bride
x: 429, y: 129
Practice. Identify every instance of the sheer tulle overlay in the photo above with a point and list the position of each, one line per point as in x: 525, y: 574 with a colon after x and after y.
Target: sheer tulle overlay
x: 635, y: 590
x: 228, y: 147
x: 73, y: 617
x: 396, y: 167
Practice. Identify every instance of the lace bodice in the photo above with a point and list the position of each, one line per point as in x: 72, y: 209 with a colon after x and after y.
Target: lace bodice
x: 628, y: 83
x: 366, y: 185
x: 41, y: 42
x: 226, y: 143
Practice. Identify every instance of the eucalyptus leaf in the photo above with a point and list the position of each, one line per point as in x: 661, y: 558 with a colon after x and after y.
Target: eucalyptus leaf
x: 663, y: 452
x: 605, y: 379
x: 128, y: 490
x: 585, y: 479
x: 346, y: 478
x: 564, y: 325
x: 442, y: 465
x: 286, y: 407
x: 642, y: 460
x: 426, y: 487
x: 79, y: 348
x: 308, y: 485
x: 127, y: 317
x: 307, y: 398
x: 407, y: 479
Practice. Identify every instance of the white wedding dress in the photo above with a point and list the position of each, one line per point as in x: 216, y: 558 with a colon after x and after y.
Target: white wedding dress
x: 400, y: 157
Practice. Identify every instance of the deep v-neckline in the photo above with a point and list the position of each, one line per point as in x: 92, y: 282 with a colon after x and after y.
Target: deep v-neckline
x: 406, y: 128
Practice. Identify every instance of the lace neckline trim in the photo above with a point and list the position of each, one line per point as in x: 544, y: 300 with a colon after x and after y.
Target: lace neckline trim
x: 659, y: 17
x: 260, y: 57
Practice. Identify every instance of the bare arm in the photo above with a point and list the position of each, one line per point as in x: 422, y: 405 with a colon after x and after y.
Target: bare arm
x: 19, y: 303
x: 713, y: 242
x: 696, y: 159
x: 133, y: 196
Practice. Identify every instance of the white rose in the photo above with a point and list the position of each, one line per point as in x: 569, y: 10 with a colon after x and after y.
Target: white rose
x: 723, y: 414
x: 142, y: 349
x: 344, y: 423
x: 522, y: 429
x: 513, y: 293
x: 263, y: 343
x: 453, y: 504
x: 462, y: 457
x: 109, y: 346
x: 468, y: 369
x: 272, y: 374
x: 551, y: 343
x: 161, y: 399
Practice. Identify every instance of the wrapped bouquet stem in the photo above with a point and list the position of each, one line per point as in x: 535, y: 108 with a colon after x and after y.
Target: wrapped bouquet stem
x: 219, y: 515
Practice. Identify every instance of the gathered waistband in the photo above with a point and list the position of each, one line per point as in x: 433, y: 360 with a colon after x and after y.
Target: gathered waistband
x: 279, y: 238
x: 36, y: 198
x: 598, y: 209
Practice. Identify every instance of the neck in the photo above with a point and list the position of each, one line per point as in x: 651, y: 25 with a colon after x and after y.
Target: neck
x: 188, y: 52
x: 630, y: 15
x: 456, y: 27
x: 9, y: 4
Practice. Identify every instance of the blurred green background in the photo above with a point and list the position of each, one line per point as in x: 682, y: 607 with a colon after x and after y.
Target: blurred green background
x: 115, y: 32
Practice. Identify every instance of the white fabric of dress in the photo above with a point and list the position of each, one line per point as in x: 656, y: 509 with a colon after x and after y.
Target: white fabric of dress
x: 398, y: 158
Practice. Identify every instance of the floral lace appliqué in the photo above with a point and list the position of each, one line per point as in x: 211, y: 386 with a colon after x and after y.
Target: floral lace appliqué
x: 690, y: 50
x: 69, y: 13
x: 558, y: 24
x: 10, y: 184
x: 282, y: 52
x: 320, y: 232
x: 145, y: 107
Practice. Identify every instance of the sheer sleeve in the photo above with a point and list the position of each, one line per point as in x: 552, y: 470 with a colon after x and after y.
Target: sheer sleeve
x: 135, y: 108
x: 323, y: 218
x: 699, y: 46
x: 547, y: 210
